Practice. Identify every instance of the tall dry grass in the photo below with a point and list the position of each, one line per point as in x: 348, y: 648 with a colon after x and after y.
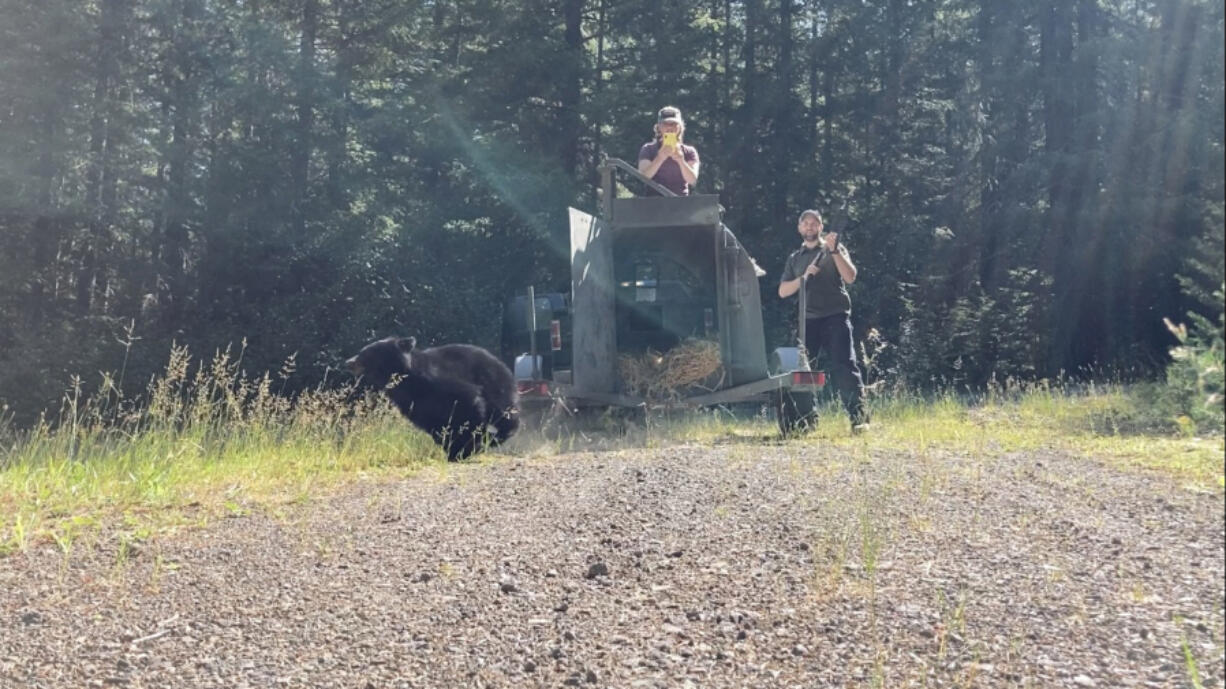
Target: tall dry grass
x: 204, y: 437
x: 207, y: 439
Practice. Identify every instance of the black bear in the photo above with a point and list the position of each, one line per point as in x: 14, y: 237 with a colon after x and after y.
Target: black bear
x: 453, y: 392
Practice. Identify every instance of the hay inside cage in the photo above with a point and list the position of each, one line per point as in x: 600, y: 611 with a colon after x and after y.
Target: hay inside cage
x: 690, y: 367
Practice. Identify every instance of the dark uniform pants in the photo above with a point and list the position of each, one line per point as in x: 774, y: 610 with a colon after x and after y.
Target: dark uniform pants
x: 833, y: 334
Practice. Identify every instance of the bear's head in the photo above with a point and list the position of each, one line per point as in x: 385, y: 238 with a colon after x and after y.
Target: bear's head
x: 382, y: 359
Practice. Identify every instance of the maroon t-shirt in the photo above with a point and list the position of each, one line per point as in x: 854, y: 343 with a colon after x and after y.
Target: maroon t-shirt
x: 669, y: 175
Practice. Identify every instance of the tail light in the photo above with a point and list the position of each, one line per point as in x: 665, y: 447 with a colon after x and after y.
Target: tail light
x: 533, y: 387
x: 555, y: 335
x: 808, y: 377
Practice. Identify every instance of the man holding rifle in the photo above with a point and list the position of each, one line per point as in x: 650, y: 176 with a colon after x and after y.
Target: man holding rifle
x: 823, y: 267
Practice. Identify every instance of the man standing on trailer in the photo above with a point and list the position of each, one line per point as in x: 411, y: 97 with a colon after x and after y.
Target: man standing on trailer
x: 823, y: 267
x: 667, y: 159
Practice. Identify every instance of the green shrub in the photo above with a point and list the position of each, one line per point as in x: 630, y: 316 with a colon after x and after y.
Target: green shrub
x: 1194, y: 378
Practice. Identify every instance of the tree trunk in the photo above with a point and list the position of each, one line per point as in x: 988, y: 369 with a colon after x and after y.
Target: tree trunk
x: 181, y: 107
x: 304, y: 141
x: 782, y: 146
x: 725, y: 100
x: 826, y: 165
x: 747, y: 121
x: 341, y: 105
x: 598, y: 112
x: 810, y: 193
x: 100, y: 182
x: 1057, y: 256
x: 46, y: 227
x: 1055, y: 61
x: 890, y: 123
x: 572, y: 87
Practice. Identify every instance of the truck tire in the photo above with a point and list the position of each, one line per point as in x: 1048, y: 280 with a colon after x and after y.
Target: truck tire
x: 796, y: 412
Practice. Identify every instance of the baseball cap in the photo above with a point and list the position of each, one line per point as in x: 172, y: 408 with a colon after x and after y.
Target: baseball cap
x: 812, y: 212
x: 669, y: 113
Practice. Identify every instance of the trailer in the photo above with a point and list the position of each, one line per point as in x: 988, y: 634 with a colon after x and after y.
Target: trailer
x: 646, y: 274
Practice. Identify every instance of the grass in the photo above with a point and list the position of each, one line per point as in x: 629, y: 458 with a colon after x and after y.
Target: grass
x: 1190, y: 667
x: 1106, y: 424
x: 207, y: 441
x: 1113, y: 424
x: 211, y: 444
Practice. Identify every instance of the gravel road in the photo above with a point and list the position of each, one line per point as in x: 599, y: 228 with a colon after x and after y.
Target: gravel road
x: 731, y: 565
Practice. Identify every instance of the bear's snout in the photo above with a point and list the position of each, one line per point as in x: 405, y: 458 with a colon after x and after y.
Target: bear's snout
x: 354, y: 366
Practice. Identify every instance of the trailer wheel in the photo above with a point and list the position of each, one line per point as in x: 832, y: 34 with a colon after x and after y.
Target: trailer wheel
x: 796, y: 412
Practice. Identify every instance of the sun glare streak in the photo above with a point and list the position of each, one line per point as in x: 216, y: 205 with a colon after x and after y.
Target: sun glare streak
x: 489, y: 171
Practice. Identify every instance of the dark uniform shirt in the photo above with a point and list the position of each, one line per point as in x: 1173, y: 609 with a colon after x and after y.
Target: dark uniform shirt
x: 825, y: 293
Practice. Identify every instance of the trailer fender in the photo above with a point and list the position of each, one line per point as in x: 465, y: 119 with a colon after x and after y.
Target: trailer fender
x: 526, y: 369
x: 785, y: 359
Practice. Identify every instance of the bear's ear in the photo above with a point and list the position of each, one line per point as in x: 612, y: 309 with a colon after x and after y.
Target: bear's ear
x: 406, y: 344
